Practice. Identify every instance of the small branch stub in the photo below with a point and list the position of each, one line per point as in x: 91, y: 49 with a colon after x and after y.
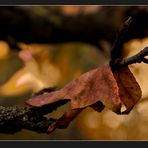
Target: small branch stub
x: 119, y: 40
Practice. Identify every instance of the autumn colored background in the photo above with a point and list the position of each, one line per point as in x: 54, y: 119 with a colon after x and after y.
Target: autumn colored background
x: 48, y: 46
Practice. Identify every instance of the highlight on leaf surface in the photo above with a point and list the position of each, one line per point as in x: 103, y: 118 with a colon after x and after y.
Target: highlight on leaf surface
x: 112, y: 88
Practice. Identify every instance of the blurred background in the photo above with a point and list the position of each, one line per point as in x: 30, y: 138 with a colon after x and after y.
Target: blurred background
x: 48, y: 46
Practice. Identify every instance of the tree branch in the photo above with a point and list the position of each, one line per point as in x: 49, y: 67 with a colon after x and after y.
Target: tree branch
x: 14, y: 119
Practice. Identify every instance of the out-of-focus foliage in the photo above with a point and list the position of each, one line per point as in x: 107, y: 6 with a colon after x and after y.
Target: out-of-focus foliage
x: 74, y: 10
x: 34, y: 75
x: 4, y: 49
x: 9, y: 62
x: 67, y: 10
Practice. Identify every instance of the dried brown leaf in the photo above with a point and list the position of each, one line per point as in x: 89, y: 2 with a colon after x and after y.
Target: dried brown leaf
x: 64, y: 120
x: 112, y: 88
x: 129, y: 89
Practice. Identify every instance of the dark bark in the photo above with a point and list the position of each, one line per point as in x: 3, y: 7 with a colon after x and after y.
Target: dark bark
x: 14, y: 119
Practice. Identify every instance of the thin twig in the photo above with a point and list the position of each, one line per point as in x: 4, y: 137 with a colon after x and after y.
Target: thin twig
x: 138, y: 58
